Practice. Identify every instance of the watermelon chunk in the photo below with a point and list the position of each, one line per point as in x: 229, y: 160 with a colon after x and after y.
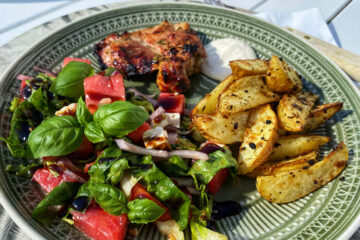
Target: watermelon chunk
x: 99, y: 225
x: 98, y: 87
x: 48, y: 181
x: 69, y: 59
x: 172, y: 103
x: 218, y: 180
x: 137, y: 135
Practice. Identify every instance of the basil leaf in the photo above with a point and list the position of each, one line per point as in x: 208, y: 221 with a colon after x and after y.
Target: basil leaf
x: 56, y: 136
x: 204, y: 171
x: 144, y: 211
x: 165, y: 190
x: 175, y: 166
x: 83, y: 114
x: 94, y: 133
x: 117, y: 171
x: 108, y: 166
x: 70, y: 81
x: 120, y: 118
x: 110, y: 198
x: 64, y: 193
x: 111, y: 152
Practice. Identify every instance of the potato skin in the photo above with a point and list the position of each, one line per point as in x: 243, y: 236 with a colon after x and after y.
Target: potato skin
x: 281, y: 77
x: 290, y: 185
x: 219, y: 129
x: 208, y: 104
x: 260, y: 136
x: 295, y: 145
x: 321, y: 114
x: 242, y: 68
x: 294, y: 109
x: 245, y: 93
x: 271, y: 168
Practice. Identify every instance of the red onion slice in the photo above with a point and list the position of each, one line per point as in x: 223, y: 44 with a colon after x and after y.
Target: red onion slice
x: 172, y: 137
x: 156, y: 113
x: 124, y: 145
x: 190, y: 154
x: 46, y: 71
x: 23, y: 77
x: 74, y: 176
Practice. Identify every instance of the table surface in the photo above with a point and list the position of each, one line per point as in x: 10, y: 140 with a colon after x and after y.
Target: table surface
x: 19, y: 16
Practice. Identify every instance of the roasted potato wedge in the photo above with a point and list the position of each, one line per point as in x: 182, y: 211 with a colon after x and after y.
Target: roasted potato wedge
x: 259, y: 138
x: 294, y: 109
x: 282, y: 78
x: 290, y: 185
x: 245, y: 93
x: 208, y: 104
x: 270, y: 168
x: 242, y: 68
x: 219, y: 129
x: 295, y: 145
x: 320, y: 114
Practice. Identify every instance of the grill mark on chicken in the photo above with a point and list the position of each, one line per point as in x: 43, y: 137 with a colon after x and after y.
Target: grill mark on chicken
x: 174, y: 50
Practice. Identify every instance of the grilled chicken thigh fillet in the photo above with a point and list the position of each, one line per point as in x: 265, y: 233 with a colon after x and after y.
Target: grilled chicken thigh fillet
x: 174, y: 50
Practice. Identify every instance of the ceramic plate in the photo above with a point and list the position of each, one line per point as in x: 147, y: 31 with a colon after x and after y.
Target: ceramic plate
x: 329, y: 213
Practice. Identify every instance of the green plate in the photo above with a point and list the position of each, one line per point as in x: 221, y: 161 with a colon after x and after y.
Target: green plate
x: 329, y: 213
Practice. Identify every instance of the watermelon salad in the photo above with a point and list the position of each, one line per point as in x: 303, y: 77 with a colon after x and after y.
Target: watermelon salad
x: 111, y: 159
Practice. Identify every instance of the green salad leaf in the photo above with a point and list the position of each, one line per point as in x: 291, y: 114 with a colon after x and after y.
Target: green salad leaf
x: 158, y: 184
x: 83, y: 114
x: 175, y: 166
x: 70, y: 81
x: 14, y: 104
x: 94, y: 133
x: 144, y: 211
x: 110, y: 198
x: 39, y: 101
x: 25, y: 115
x: 204, y: 171
x: 199, y: 232
x: 56, y: 136
x: 22, y: 170
x: 64, y: 193
x: 120, y: 118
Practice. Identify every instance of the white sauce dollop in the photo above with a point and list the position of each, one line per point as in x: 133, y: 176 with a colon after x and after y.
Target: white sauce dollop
x: 220, y: 52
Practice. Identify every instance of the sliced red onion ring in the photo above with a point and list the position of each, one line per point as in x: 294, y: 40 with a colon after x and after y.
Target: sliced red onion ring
x: 156, y: 113
x: 124, y: 145
x: 46, y: 71
x: 172, y: 137
x: 147, y: 97
x: 23, y: 77
x: 74, y: 176
x: 190, y: 154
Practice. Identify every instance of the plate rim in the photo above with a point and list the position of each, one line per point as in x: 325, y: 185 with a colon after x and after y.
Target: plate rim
x: 4, y: 199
